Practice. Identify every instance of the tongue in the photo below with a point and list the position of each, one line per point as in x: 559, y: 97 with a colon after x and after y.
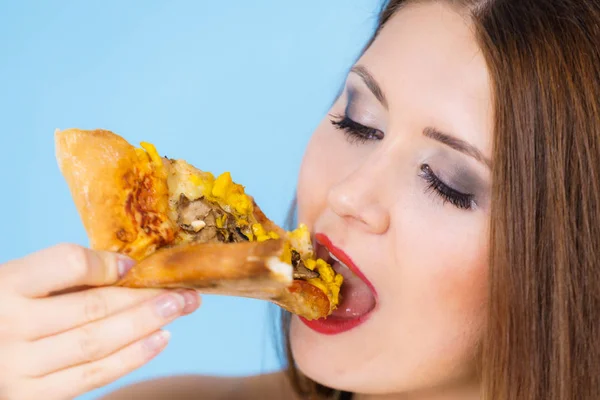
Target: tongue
x: 356, y: 298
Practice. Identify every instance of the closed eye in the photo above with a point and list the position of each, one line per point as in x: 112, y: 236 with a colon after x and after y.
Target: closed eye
x: 463, y: 201
x: 356, y: 133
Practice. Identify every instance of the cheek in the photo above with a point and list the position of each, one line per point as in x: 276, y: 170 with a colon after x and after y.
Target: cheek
x: 460, y: 289
x: 455, y: 274
x: 319, y: 171
x: 444, y: 287
x: 445, y: 251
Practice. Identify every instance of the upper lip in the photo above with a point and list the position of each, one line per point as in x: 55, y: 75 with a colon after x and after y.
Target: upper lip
x: 340, y: 255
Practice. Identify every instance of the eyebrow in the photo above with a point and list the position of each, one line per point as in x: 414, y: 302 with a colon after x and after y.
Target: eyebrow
x: 430, y: 132
x: 371, y: 83
x: 457, y: 144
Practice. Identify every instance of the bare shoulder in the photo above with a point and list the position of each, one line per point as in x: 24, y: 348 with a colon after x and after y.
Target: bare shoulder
x: 188, y: 387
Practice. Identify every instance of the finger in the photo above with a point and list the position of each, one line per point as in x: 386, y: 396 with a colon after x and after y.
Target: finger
x: 65, y: 266
x: 99, y: 339
x: 77, y: 380
x: 56, y: 314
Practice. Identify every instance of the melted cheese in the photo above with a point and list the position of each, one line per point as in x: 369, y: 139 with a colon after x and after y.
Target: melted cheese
x: 328, y: 281
x: 182, y: 178
x: 154, y: 156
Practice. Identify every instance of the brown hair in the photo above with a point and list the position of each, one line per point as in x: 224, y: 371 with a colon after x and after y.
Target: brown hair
x: 543, y: 322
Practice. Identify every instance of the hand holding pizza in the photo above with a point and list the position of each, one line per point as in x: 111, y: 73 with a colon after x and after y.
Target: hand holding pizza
x: 65, y: 329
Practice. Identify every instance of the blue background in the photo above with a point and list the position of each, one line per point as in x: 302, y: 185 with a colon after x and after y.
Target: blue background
x: 247, y: 80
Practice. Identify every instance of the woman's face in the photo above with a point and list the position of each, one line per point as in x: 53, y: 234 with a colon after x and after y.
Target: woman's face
x: 397, y: 180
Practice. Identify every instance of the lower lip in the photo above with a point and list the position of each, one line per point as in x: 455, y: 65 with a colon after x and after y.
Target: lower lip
x: 335, y: 325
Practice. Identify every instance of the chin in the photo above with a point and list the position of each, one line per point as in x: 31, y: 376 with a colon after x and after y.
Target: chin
x: 326, y: 359
x: 345, y: 362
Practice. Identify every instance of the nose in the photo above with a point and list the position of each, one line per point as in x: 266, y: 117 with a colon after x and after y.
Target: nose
x: 358, y: 199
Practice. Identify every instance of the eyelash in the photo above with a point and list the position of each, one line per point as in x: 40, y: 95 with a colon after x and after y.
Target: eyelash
x: 463, y: 201
x: 357, y: 133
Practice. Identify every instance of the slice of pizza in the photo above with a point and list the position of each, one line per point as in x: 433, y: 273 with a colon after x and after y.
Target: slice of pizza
x: 188, y: 228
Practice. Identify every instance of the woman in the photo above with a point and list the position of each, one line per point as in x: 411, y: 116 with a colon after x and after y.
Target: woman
x: 457, y: 175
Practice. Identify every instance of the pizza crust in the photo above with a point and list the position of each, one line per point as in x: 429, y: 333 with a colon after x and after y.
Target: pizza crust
x: 213, y: 267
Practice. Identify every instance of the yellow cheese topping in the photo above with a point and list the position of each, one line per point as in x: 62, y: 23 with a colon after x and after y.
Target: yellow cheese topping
x: 232, y: 194
x: 154, y: 156
x: 232, y: 198
x: 328, y: 281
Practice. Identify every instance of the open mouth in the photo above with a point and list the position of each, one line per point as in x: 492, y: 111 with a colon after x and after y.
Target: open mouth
x: 358, y: 297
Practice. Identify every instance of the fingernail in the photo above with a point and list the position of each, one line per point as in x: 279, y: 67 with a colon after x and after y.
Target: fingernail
x: 169, y: 305
x: 157, y: 341
x: 192, y: 301
x: 124, y: 264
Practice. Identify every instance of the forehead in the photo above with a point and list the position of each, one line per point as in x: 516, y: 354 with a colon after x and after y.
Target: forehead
x: 432, y: 70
